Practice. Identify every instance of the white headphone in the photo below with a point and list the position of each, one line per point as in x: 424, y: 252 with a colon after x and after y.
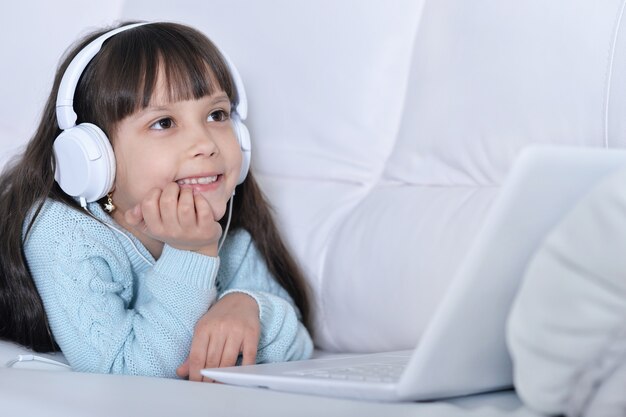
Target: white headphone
x: 85, y: 163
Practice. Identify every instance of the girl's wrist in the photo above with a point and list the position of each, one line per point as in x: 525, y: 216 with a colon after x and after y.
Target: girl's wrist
x: 208, y: 251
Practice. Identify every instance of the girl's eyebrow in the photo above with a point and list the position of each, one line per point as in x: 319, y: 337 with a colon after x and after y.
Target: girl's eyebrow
x: 218, y: 99
x: 222, y: 97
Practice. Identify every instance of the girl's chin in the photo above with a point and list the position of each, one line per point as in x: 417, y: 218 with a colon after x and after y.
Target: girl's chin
x: 219, y: 214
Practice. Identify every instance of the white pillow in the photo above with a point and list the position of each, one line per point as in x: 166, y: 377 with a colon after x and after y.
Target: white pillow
x: 609, y: 399
x: 569, y: 316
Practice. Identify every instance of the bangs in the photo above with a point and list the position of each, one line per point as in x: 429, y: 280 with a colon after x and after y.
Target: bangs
x: 188, y: 73
x: 123, y: 77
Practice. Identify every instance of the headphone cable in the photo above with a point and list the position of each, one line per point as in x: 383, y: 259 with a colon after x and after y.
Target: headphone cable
x: 230, y: 213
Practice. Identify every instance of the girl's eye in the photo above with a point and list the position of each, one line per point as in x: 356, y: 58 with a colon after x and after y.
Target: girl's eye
x: 218, y: 116
x: 162, y: 124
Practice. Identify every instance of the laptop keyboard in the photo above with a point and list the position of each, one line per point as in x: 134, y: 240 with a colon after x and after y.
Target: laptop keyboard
x: 374, y: 372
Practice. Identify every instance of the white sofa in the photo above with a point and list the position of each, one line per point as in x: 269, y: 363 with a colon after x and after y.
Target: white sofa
x: 381, y: 132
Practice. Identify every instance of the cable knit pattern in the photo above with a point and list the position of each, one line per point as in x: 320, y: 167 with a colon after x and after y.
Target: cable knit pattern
x: 111, y: 312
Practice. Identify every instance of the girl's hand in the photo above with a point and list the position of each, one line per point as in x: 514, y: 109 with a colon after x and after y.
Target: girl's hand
x: 230, y: 327
x: 178, y: 217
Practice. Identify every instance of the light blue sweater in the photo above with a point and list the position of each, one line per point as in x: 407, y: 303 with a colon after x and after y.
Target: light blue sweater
x: 111, y: 312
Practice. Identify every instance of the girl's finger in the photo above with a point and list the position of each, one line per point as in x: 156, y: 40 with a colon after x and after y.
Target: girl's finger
x: 134, y: 216
x: 249, y: 349
x: 186, y: 209
x: 231, y: 352
x: 183, y: 370
x: 197, y: 355
x: 152, y: 212
x: 168, y: 205
x: 204, y: 212
x: 213, y: 353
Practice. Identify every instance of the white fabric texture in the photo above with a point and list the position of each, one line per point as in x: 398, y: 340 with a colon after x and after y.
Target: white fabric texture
x: 608, y: 400
x: 567, y: 327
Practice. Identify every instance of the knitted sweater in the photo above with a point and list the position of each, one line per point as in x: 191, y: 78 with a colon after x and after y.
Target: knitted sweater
x: 112, y: 312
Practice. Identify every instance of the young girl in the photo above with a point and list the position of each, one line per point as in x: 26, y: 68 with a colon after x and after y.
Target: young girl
x: 132, y: 283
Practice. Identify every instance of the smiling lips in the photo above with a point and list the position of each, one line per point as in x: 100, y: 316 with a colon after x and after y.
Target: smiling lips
x: 197, y: 180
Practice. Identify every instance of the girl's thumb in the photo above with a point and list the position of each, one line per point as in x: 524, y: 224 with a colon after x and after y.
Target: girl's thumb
x: 134, y: 216
x: 183, y: 370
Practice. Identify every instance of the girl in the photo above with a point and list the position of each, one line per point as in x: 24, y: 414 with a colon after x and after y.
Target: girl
x: 132, y: 283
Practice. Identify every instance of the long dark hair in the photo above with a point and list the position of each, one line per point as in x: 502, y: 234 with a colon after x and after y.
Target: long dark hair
x: 119, y: 81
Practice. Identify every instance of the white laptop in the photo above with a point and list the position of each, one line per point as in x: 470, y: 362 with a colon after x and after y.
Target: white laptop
x: 463, y: 350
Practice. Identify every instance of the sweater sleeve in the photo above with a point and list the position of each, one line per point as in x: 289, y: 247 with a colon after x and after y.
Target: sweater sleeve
x: 283, y: 336
x: 105, y: 318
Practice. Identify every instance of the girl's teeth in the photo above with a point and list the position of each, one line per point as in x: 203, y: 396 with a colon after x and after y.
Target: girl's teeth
x: 201, y: 180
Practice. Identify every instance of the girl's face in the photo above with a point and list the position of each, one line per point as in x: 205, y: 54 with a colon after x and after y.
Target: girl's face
x: 191, y: 143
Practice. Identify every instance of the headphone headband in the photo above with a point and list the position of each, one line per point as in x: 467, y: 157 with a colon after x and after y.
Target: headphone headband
x: 66, y: 116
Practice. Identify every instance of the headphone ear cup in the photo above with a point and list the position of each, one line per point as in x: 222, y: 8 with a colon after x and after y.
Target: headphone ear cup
x: 85, y: 163
x: 243, y: 137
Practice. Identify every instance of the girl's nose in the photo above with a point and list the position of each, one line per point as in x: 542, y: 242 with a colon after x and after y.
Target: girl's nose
x: 203, y: 143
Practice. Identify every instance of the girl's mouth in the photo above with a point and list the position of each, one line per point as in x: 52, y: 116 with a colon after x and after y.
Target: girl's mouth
x: 199, y: 184
x: 198, y: 180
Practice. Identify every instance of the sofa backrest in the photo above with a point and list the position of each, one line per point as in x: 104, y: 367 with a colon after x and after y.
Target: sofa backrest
x: 486, y: 79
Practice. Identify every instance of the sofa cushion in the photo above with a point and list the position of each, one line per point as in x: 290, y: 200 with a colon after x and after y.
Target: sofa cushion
x: 488, y: 78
